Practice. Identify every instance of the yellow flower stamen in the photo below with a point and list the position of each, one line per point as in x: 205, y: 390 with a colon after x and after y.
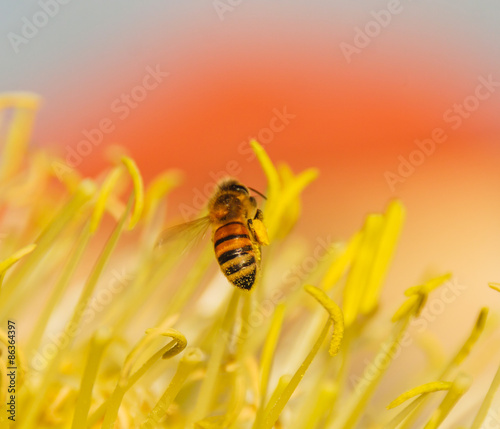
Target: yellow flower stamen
x: 244, y: 338
x: 11, y: 260
x: 294, y: 208
x: 267, y: 358
x: 104, y: 194
x: 280, y: 198
x: 205, y: 398
x: 339, y: 266
x: 408, y: 306
x: 434, y: 386
x: 288, y: 197
x: 13, y: 294
x: 494, y: 286
x: 459, y: 386
x: 388, y: 237
x: 128, y: 379
x: 191, y: 359
x: 273, y: 179
x: 365, y: 388
x: 276, y: 405
x: 336, y: 316
x: 59, y: 290
x: 157, y: 190
x: 25, y: 106
x: 98, y: 344
x: 75, y: 320
x: 428, y: 286
x: 410, y: 414
x: 464, y: 351
x: 357, y: 279
x: 138, y: 190
x: 486, y: 404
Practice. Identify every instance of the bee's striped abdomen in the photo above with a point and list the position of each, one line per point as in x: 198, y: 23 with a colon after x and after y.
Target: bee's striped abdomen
x: 235, y: 253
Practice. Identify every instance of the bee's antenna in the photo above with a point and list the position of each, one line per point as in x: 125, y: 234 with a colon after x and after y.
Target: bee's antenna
x: 257, y: 192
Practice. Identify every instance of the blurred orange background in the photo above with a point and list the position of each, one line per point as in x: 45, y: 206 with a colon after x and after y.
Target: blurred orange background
x: 353, y: 116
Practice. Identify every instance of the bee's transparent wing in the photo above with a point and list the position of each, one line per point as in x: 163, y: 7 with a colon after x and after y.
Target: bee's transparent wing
x: 183, y: 236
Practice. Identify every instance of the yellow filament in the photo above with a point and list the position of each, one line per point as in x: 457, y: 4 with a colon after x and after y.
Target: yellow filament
x: 459, y: 386
x: 273, y: 180
x: 138, y: 190
x: 340, y: 265
x: 102, y: 199
x: 25, y: 106
x: 127, y: 379
x: 494, y: 286
x: 11, y: 260
x: 335, y: 315
x: 388, y: 237
x: 434, y: 386
x: 267, y: 358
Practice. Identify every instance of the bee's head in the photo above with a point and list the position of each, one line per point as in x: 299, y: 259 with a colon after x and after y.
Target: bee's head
x: 235, y: 186
x: 231, y: 200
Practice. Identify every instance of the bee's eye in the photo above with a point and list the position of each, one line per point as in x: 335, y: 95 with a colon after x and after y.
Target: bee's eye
x: 239, y: 188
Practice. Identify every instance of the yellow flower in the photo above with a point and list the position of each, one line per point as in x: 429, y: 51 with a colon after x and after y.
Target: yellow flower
x: 143, y: 346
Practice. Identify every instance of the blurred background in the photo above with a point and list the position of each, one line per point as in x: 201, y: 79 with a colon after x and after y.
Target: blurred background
x: 389, y: 99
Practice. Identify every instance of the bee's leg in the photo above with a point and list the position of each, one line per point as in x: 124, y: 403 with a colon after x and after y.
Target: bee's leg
x: 258, y: 229
x: 259, y: 215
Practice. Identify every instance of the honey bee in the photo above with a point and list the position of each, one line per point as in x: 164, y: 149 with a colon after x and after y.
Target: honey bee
x: 238, y: 232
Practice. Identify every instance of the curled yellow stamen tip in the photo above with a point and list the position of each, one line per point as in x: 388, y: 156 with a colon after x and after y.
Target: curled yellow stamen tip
x: 165, y: 352
x: 435, y: 386
x: 7, y: 263
x: 494, y: 286
x: 138, y: 190
x: 180, y: 341
x: 335, y: 315
x: 103, y: 197
x: 180, y: 344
